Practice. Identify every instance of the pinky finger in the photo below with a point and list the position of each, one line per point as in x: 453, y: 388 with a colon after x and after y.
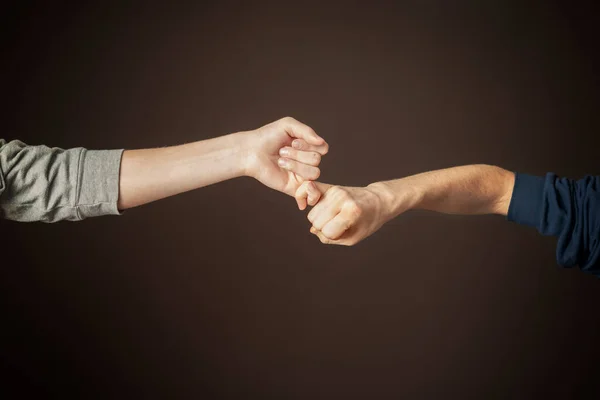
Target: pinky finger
x: 301, y: 195
x: 313, y: 194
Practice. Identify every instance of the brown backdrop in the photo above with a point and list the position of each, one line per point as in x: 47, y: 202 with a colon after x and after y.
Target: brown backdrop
x: 222, y: 292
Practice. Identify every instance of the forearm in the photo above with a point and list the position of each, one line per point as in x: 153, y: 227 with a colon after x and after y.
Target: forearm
x: 152, y: 174
x: 471, y: 189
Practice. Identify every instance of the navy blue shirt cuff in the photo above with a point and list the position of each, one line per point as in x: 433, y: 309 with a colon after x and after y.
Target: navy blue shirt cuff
x: 526, y: 202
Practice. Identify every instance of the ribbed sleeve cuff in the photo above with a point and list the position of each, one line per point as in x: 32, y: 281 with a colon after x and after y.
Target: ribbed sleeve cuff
x: 98, y: 183
x: 526, y: 202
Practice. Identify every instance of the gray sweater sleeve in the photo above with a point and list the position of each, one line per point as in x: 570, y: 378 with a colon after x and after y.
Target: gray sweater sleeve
x: 39, y: 183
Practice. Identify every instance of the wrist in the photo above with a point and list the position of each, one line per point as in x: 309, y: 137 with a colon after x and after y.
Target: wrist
x: 246, y: 153
x: 396, y: 196
x: 506, y: 185
x: 387, y: 199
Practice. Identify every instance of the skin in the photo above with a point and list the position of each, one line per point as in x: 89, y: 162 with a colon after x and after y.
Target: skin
x: 148, y: 175
x: 347, y: 215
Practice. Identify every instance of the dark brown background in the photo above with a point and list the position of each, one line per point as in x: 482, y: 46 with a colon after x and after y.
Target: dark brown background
x: 222, y: 292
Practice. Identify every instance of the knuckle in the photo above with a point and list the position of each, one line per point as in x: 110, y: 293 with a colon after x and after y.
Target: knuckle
x: 343, y: 194
x: 311, y: 216
x: 353, y: 208
x: 336, y: 190
x: 314, y: 173
x: 316, y: 158
x: 325, y: 149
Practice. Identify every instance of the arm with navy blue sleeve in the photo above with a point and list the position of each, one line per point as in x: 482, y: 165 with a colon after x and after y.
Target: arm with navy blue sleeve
x: 566, y: 208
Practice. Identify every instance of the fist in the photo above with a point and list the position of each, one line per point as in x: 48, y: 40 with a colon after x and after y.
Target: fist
x: 342, y: 215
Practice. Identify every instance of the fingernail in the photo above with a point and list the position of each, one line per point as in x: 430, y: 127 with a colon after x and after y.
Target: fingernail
x: 284, y: 152
x: 296, y: 144
x: 282, y: 163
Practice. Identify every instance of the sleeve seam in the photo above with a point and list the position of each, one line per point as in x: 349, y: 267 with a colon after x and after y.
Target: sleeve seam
x: 54, y: 208
x: 78, y: 185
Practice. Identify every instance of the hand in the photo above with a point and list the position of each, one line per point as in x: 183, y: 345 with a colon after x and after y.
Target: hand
x: 343, y: 215
x: 283, y: 154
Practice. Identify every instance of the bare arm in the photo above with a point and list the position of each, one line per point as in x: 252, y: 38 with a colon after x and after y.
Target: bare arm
x: 556, y: 206
x: 347, y: 215
x: 152, y: 174
x: 470, y: 189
